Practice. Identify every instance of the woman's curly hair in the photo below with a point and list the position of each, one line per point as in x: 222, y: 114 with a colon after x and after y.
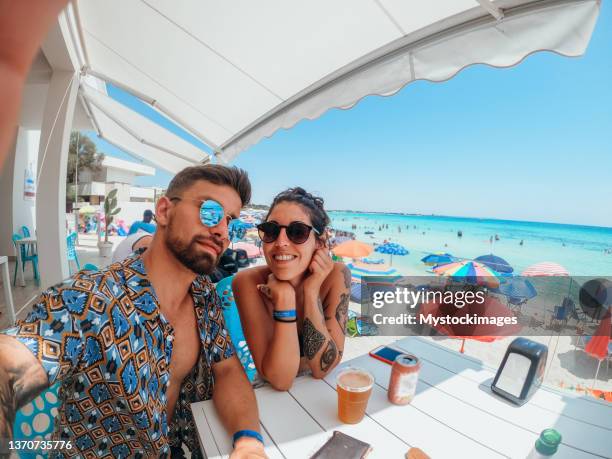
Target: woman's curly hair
x: 313, y: 205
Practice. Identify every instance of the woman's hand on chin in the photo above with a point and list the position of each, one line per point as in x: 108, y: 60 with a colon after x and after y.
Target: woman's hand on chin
x: 280, y: 293
x: 320, y: 267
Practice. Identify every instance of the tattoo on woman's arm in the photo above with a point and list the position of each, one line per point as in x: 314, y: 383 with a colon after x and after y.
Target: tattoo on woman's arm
x: 329, y: 355
x: 312, y: 339
x: 342, y: 311
x: 347, y: 277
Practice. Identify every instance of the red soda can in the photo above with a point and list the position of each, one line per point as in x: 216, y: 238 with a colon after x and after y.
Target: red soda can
x: 404, y: 378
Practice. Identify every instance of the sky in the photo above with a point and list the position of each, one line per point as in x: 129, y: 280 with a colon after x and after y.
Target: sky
x: 532, y: 142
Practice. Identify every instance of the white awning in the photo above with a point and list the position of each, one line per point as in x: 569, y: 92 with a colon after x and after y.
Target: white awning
x: 137, y: 135
x: 233, y: 73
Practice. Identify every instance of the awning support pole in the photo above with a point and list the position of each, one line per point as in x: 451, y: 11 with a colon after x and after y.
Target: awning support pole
x: 135, y: 134
x: 153, y: 103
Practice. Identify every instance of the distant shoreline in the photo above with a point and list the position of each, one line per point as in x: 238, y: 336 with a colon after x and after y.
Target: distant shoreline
x: 481, y: 219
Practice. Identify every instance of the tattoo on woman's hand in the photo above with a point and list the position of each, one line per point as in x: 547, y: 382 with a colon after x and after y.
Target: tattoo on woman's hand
x: 312, y: 339
x: 329, y: 355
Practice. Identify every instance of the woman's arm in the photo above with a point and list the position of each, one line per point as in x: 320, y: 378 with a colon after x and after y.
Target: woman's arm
x: 325, y: 321
x: 274, y: 345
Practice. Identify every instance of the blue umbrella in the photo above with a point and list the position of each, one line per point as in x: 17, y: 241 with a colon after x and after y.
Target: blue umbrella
x: 437, y: 258
x: 392, y: 248
x: 517, y: 287
x: 495, y: 263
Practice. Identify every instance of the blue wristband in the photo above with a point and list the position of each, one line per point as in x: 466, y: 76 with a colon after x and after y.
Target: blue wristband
x: 290, y: 314
x: 247, y: 433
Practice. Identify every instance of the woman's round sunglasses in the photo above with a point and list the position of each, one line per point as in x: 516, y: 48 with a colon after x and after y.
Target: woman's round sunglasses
x: 211, y: 212
x: 297, y: 232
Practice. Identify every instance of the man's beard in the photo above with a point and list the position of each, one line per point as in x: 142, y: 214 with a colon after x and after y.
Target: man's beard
x: 189, y: 256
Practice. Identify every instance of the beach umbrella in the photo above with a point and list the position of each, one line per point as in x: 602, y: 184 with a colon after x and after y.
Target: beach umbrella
x: 336, y: 240
x: 373, y: 261
x: 469, y: 271
x: 437, y: 258
x: 251, y: 249
x: 517, y: 287
x: 496, y: 263
x: 391, y: 248
x: 545, y: 268
x: 598, y: 345
x: 359, y: 269
x: 353, y: 249
x: 481, y: 332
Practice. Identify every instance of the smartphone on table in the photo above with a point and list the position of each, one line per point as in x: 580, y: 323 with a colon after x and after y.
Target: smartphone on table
x: 385, y: 354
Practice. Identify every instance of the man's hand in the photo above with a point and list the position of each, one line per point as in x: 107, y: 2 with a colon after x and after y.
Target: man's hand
x: 22, y: 378
x: 280, y: 293
x: 248, y: 448
x: 320, y: 267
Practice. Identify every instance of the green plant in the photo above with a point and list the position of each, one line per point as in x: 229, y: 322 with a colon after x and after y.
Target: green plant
x: 110, y: 210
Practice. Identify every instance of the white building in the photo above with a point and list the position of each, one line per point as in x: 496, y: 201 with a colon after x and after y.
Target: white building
x: 119, y: 174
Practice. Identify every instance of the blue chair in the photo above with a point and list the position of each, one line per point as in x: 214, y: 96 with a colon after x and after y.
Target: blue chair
x: 72, y: 253
x: 234, y: 327
x: 25, y: 257
x: 25, y: 231
x: 90, y: 267
x: 35, y: 421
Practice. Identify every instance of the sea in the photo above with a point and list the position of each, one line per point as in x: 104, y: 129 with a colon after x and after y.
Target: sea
x: 582, y: 250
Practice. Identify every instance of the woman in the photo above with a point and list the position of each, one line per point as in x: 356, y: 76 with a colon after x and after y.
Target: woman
x: 294, y: 310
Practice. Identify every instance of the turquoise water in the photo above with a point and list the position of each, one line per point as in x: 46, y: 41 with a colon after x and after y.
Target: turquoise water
x: 580, y: 249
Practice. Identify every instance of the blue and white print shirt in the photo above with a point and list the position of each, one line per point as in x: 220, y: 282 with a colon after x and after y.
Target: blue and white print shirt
x: 101, y: 334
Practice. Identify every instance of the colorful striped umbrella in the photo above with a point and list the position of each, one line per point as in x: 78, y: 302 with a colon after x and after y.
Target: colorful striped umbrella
x: 359, y: 269
x: 545, y: 268
x: 469, y: 271
x: 353, y: 249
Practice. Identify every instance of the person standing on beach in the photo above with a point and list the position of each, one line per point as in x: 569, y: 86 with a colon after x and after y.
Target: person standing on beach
x: 133, y: 345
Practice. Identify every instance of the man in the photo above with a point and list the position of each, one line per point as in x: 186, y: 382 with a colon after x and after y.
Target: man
x: 144, y: 225
x: 136, y: 343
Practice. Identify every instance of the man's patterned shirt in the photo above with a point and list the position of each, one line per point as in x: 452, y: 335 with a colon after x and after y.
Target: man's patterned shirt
x: 102, y: 335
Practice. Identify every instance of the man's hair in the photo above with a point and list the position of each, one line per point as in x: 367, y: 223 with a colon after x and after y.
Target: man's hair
x: 217, y: 174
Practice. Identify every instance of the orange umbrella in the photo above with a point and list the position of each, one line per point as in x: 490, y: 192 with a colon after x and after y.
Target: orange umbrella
x: 481, y: 332
x: 353, y: 249
x: 598, y: 344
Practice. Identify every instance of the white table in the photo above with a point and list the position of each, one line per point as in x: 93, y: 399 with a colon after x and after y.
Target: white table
x: 454, y: 414
x: 26, y: 241
x: 6, y: 283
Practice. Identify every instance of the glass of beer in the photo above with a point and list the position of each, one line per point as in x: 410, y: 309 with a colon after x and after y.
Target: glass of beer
x: 354, y: 386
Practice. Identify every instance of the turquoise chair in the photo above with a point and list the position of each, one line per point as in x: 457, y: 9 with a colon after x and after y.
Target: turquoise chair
x: 90, y: 267
x: 35, y: 421
x: 25, y: 231
x: 72, y: 253
x: 234, y: 327
x: 25, y: 257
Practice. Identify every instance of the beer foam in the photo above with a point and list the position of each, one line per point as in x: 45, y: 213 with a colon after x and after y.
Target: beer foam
x: 355, y: 380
